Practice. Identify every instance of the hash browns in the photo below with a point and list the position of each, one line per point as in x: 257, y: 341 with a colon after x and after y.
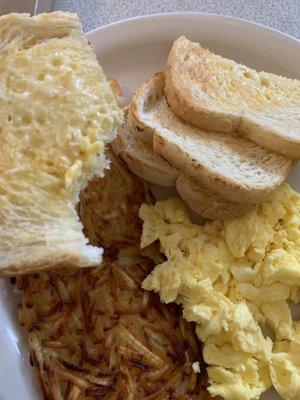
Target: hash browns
x: 94, y: 333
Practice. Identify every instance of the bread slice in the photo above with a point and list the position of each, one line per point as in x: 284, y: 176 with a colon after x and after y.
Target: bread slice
x: 208, y: 204
x: 141, y: 159
x: 218, y: 94
x: 143, y: 162
x: 56, y: 111
x: 142, y: 99
x: 116, y: 88
x: 226, y: 164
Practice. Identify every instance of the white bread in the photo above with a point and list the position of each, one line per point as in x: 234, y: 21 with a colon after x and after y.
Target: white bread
x: 226, y: 164
x: 142, y: 161
x: 141, y: 100
x: 57, y: 111
x: 116, y: 88
x: 218, y: 94
x: 208, y: 204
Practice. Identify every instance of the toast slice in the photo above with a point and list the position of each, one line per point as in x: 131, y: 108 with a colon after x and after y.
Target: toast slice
x: 218, y: 94
x: 141, y: 159
x: 143, y: 162
x: 57, y: 111
x: 135, y: 149
x: 140, y: 102
x: 226, y: 164
x: 208, y: 204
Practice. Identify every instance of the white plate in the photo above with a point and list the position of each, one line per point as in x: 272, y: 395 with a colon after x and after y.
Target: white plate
x: 132, y: 50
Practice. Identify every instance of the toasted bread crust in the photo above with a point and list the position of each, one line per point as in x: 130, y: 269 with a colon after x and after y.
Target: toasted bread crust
x: 226, y: 188
x: 141, y: 160
x: 194, y: 93
x: 134, y: 145
x: 57, y: 114
x: 209, y: 204
x: 167, y: 131
x: 146, y: 164
x: 135, y: 120
x: 42, y: 259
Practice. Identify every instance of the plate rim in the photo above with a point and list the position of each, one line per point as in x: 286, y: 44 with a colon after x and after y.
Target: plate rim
x: 221, y: 17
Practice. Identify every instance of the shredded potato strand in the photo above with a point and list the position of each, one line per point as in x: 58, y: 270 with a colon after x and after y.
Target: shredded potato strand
x: 94, y: 333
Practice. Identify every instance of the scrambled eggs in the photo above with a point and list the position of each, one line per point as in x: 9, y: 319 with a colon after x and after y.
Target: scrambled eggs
x: 232, y: 277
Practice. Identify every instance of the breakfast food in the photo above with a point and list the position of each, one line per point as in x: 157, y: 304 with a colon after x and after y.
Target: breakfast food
x: 57, y: 113
x: 207, y: 204
x: 116, y: 88
x: 141, y: 159
x: 146, y: 164
x: 236, y: 162
x: 226, y: 164
x: 95, y: 333
x: 102, y: 332
x: 218, y: 94
x: 232, y: 277
x: 111, y: 221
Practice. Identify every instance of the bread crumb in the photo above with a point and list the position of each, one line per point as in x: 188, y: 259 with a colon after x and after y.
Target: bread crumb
x: 196, y: 367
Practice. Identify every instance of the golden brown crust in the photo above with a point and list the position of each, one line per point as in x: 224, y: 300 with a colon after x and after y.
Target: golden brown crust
x: 135, y: 113
x: 176, y: 141
x: 190, y: 108
x: 194, y: 93
x: 58, y: 261
x: 141, y: 159
x: 134, y: 144
x: 42, y: 60
x: 216, y: 184
x: 207, y: 204
x: 117, y: 90
x: 46, y: 24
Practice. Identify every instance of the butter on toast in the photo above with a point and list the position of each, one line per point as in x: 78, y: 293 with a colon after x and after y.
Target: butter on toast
x: 57, y: 112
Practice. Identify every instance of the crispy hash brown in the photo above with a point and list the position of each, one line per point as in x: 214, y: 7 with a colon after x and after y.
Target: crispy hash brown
x: 94, y: 333
x: 109, y: 208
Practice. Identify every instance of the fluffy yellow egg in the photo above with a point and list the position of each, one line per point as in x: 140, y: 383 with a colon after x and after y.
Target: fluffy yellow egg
x: 232, y: 277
